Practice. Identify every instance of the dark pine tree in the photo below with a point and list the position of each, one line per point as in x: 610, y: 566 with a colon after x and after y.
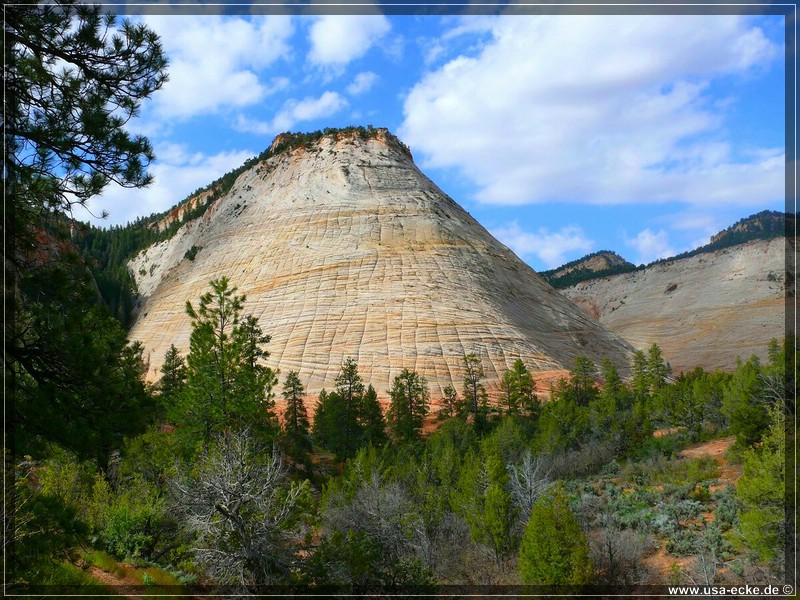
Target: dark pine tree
x: 295, y: 417
x: 72, y: 80
x: 409, y: 405
x: 371, y: 419
x: 350, y: 389
x: 227, y: 384
x: 449, y: 402
x: 173, y: 377
x: 476, y: 400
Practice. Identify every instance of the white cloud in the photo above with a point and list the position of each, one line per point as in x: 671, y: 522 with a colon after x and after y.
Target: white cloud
x: 294, y: 111
x: 650, y: 246
x: 600, y: 109
x: 177, y: 173
x: 362, y: 83
x: 468, y: 24
x: 339, y: 39
x: 215, y: 62
x: 693, y: 220
x: 549, y: 247
x: 438, y: 48
x: 431, y: 49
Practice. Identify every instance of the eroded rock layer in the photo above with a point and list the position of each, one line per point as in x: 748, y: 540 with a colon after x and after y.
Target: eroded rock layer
x: 703, y: 311
x: 345, y: 249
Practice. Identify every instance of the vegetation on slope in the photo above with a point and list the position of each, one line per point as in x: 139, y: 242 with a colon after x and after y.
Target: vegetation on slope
x: 571, y: 273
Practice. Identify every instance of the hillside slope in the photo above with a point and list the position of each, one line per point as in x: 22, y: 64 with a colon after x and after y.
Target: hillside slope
x: 703, y: 310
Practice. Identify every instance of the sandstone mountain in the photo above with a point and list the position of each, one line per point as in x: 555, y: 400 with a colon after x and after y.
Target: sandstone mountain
x: 345, y: 249
x: 703, y: 310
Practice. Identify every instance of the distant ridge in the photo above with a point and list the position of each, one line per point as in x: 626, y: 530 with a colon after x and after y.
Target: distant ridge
x: 765, y: 225
x: 597, y: 264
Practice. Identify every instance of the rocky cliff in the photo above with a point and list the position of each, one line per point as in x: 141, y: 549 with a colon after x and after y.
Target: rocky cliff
x: 345, y: 249
x: 703, y: 310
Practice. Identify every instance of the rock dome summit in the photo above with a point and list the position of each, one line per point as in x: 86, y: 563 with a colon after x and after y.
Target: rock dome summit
x: 344, y: 248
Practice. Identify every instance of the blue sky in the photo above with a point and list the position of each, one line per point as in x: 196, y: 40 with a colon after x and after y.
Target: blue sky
x: 562, y: 135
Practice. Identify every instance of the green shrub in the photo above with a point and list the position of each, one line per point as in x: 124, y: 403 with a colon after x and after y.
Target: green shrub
x: 634, y: 509
x: 125, y: 533
x: 675, y: 492
x: 131, y: 522
x: 191, y: 253
x: 700, y: 493
x: 65, y: 478
x: 43, y: 529
x: 682, y: 543
x: 661, y: 470
x: 663, y: 524
x: 667, y: 446
x: 702, y: 469
x: 187, y: 579
x: 611, y: 468
x: 726, y: 510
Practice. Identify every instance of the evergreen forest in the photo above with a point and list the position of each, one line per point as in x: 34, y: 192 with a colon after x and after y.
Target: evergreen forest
x: 597, y: 487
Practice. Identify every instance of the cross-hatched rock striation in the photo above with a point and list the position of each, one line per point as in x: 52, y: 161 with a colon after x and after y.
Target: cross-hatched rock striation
x: 345, y: 249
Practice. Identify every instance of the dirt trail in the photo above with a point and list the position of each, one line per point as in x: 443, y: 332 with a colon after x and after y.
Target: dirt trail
x: 123, y: 587
x: 127, y: 587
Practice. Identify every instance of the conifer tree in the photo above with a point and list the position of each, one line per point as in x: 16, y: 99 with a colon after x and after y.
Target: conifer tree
x: 554, y: 549
x: 657, y: 369
x: 331, y: 425
x: 226, y: 384
x: 449, y: 402
x: 639, y: 385
x: 744, y: 404
x: 73, y: 78
x: 371, y: 419
x: 517, y: 387
x: 350, y: 390
x: 483, y: 499
x: 582, y: 382
x: 563, y: 424
x: 295, y: 416
x: 475, y: 397
x: 764, y: 495
x: 509, y: 396
x: 409, y: 405
x: 173, y: 376
x: 611, y: 414
x: 605, y: 409
x: 320, y: 429
x: 255, y: 380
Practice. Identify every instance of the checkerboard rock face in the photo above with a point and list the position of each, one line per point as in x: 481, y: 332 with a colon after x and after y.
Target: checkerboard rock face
x: 345, y: 249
